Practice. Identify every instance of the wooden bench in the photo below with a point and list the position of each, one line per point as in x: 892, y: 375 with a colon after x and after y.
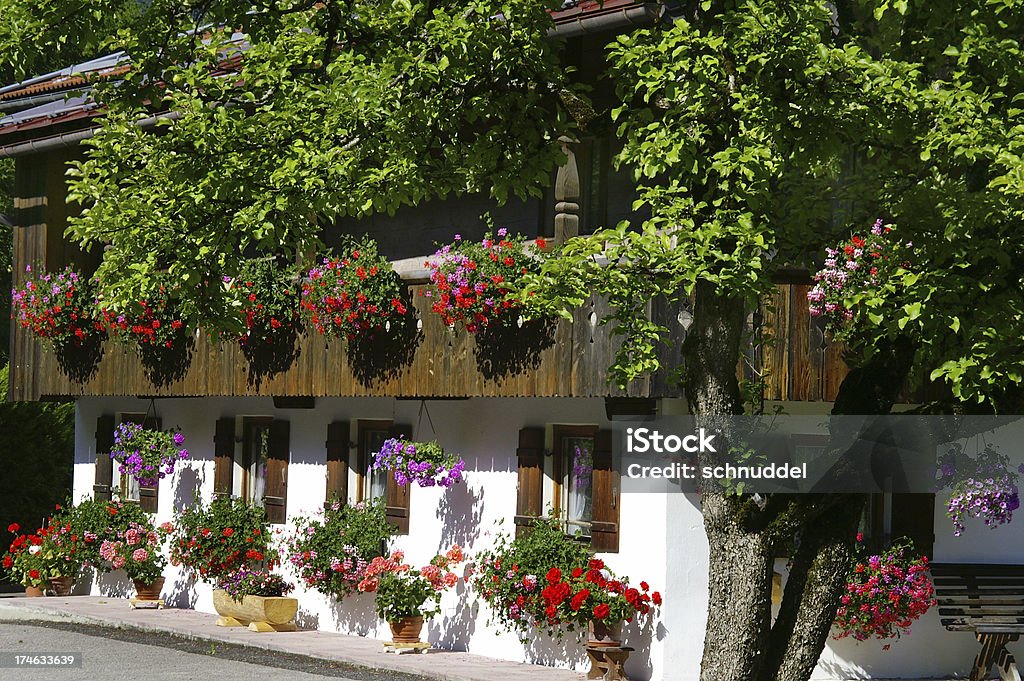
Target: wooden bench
x: 988, y: 600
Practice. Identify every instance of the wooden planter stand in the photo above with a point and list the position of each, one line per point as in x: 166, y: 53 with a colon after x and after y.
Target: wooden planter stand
x: 259, y: 613
x: 608, y: 662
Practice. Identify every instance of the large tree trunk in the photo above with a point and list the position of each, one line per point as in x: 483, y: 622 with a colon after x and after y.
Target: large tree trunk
x: 740, y: 641
x: 739, y: 592
x: 813, y: 587
x: 740, y: 559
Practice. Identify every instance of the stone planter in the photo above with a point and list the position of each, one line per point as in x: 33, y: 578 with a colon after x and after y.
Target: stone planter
x: 406, y: 629
x: 259, y: 613
x: 603, y: 634
x: 148, y: 591
x: 33, y: 592
x: 61, y: 586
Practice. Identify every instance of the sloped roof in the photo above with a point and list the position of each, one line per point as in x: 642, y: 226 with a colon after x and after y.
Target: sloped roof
x: 109, y: 66
x: 62, y: 96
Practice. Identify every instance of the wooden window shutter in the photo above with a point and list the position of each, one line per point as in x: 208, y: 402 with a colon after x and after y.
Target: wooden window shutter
x: 913, y: 516
x: 275, y: 499
x: 530, y: 491
x: 337, y: 461
x: 104, y: 464
x: 224, y: 457
x: 396, y: 497
x: 604, y: 528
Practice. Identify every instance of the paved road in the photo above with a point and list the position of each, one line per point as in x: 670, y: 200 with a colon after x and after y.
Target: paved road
x: 119, y: 655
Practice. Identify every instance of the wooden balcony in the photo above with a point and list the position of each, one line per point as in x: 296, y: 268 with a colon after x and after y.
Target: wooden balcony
x: 559, y: 359
x: 562, y: 359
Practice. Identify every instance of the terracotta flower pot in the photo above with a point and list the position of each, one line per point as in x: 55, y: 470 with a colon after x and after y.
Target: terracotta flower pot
x: 61, y: 586
x: 33, y: 592
x: 605, y: 634
x: 407, y: 629
x: 149, y: 591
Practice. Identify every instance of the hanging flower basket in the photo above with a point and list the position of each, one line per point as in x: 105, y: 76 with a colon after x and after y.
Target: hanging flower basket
x: 147, y: 455
x: 153, y: 324
x: 357, y: 295
x: 884, y: 593
x: 473, y: 280
x: 980, y: 486
x: 59, y: 308
x: 854, y: 272
x: 269, y: 298
x: 425, y: 463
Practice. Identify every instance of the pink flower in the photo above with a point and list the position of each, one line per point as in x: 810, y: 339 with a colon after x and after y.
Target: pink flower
x: 140, y: 555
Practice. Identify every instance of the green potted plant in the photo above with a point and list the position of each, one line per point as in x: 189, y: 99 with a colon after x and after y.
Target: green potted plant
x: 138, y: 550
x: 592, y: 596
x: 544, y: 579
x: 44, y: 561
x: 510, y: 576
x: 404, y: 596
x: 331, y: 550
x: 216, y: 539
x: 92, y: 522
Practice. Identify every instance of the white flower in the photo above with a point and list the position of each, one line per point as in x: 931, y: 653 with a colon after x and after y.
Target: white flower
x: 35, y: 549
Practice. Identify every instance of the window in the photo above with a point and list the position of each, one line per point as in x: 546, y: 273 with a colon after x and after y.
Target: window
x: 574, y: 476
x: 887, y: 516
x: 102, y: 482
x: 129, y: 487
x: 584, y: 483
x: 255, y: 458
x: 894, y: 516
x: 262, y: 463
x: 337, y: 445
x: 375, y: 484
x: 372, y: 483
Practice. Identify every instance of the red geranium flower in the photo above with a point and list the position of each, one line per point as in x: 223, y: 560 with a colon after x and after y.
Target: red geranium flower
x: 13, y: 528
x: 601, y: 611
x: 34, y: 574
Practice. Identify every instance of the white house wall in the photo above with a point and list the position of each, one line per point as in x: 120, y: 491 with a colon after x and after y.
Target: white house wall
x: 485, y: 433
x: 662, y: 538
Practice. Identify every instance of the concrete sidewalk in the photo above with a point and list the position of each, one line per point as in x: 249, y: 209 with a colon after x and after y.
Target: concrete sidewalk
x: 354, y: 650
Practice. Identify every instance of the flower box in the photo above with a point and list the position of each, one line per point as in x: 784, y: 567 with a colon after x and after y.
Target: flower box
x: 259, y: 613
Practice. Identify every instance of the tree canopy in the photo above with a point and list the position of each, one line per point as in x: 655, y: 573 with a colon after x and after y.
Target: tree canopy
x: 274, y: 118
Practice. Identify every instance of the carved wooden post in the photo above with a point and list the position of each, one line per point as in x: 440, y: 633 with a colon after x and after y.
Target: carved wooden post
x: 567, y: 195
